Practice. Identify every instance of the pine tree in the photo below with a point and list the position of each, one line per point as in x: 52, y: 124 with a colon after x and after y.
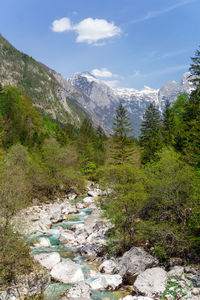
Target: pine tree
x: 190, y: 137
x: 195, y: 68
x: 191, y: 131
x: 168, y: 124
x: 121, y: 142
x: 151, y: 133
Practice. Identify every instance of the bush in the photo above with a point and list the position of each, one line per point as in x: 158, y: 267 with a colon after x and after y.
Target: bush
x: 14, y: 256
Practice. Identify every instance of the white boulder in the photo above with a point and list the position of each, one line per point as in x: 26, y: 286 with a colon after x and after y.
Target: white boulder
x: 134, y: 262
x: 107, y: 266
x: 67, y: 272
x: 54, y: 212
x: 48, y: 260
x: 176, y: 271
x: 151, y: 282
x: 66, y: 236
x: 110, y: 282
x: 80, y: 291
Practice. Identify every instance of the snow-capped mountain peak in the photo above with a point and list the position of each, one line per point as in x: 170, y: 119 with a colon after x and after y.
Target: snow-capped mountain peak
x: 100, y: 100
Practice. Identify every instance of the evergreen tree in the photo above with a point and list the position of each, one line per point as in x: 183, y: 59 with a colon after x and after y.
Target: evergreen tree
x: 191, y: 131
x: 168, y: 124
x: 122, y: 149
x: 86, y: 143
x: 195, y: 68
x: 151, y: 133
x: 189, y: 137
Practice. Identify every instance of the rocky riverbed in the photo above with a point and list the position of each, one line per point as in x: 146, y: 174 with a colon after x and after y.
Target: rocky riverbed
x: 67, y: 239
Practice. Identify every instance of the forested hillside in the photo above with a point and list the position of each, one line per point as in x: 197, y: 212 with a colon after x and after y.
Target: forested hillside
x: 47, y: 95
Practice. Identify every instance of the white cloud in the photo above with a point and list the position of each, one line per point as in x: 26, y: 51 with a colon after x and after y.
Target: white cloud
x: 92, y: 30
x: 61, y: 25
x: 102, y: 73
x: 111, y: 83
x: 89, y: 30
x: 157, y: 13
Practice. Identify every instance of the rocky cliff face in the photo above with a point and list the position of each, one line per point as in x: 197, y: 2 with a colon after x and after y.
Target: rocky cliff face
x: 35, y: 80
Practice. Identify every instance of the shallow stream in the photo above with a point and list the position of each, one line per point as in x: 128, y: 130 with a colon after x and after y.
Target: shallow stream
x: 54, y: 290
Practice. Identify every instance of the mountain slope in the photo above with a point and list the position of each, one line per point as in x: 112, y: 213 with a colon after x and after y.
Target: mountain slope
x: 103, y: 100
x: 46, y: 92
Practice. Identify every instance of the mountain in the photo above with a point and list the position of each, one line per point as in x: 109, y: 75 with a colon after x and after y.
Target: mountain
x: 101, y: 101
x: 39, y: 83
x: 70, y: 100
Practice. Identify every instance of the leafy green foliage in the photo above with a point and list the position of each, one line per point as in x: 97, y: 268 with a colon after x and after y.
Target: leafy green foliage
x: 14, y: 195
x: 125, y: 201
x: 172, y: 189
x: 21, y: 121
x: 14, y: 256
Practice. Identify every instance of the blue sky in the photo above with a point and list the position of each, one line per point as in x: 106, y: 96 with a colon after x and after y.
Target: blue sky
x: 129, y: 43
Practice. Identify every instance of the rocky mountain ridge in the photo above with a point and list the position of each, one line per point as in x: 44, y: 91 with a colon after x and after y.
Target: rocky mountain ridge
x: 101, y: 100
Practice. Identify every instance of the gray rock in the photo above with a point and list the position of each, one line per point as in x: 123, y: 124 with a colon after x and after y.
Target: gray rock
x: 44, y: 222
x: 134, y: 262
x: 196, y: 280
x: 48, y: 260
x: 191, y: 270
x: 54, y: 212
x: 80, y: 291
x: 176, y: 271
x: 91, y: 250
x: 68, y: 208
x: 107, y: 266
x: 66, y: 236
x: 109, y: 282
x: 96, y: 238
x: 67, y: 272
x: 151, y: 282
x: 94, y: 223
x: 80, y: 239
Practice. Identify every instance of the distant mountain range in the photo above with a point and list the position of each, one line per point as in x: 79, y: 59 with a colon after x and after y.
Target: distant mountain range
x: 70, y: 100
x: 100, y: 101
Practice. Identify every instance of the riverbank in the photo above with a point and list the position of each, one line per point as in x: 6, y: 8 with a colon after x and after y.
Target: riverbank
x: 67, y: 239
